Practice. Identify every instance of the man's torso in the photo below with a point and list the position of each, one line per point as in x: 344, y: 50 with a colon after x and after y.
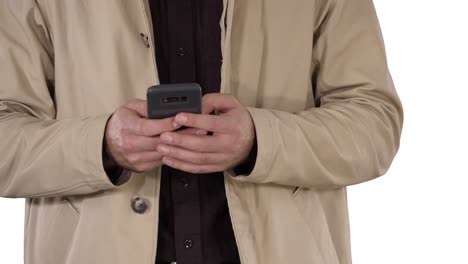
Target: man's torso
x: 101, y: 61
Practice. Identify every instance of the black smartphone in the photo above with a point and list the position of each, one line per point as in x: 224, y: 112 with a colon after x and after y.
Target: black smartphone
x: 167, y: 100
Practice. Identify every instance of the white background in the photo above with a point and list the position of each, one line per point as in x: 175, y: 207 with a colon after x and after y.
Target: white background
x: 417, y: 212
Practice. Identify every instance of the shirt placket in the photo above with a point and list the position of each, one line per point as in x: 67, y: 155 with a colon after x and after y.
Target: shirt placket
x: 184, y: 186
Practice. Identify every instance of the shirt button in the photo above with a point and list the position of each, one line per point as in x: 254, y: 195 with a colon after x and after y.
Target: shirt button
x: 185, y: 181
x: 139, y: 205
x: 188, y: 243
x: 181, y: 52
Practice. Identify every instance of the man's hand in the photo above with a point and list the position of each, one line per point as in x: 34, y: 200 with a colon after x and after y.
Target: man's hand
x: 229, y: 145
x: 131, y: 139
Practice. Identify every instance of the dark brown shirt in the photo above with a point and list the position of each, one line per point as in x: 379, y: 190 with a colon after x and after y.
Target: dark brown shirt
x: 194, y: 222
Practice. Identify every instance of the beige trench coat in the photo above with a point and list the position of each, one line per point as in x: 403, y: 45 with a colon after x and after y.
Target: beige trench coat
x: 313, y: 74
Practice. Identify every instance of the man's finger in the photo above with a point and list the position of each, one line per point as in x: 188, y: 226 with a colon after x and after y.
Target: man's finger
x: 193, y: 142
x: 189, y: 167
x: 193, y: 131
x: 144, y: 157
x: 139, y: 106
x: 190, y: 156
x: 211, y: 123
x: 134, y: 143
x: 216, y: 102
x: 152, y: 127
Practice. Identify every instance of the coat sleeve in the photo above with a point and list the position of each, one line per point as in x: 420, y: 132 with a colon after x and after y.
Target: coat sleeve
x: 41, y: 156
x: 354, y: 133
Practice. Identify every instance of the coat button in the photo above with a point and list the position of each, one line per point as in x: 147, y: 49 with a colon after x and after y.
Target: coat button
x: 188, y: 243
x: 139, y: 205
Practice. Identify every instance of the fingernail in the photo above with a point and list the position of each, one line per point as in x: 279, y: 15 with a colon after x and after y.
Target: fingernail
x: 181, y: 119
x: 163, y: 149
x: 166, y: 138
x: 166, y: 161
x: 176, y: 125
